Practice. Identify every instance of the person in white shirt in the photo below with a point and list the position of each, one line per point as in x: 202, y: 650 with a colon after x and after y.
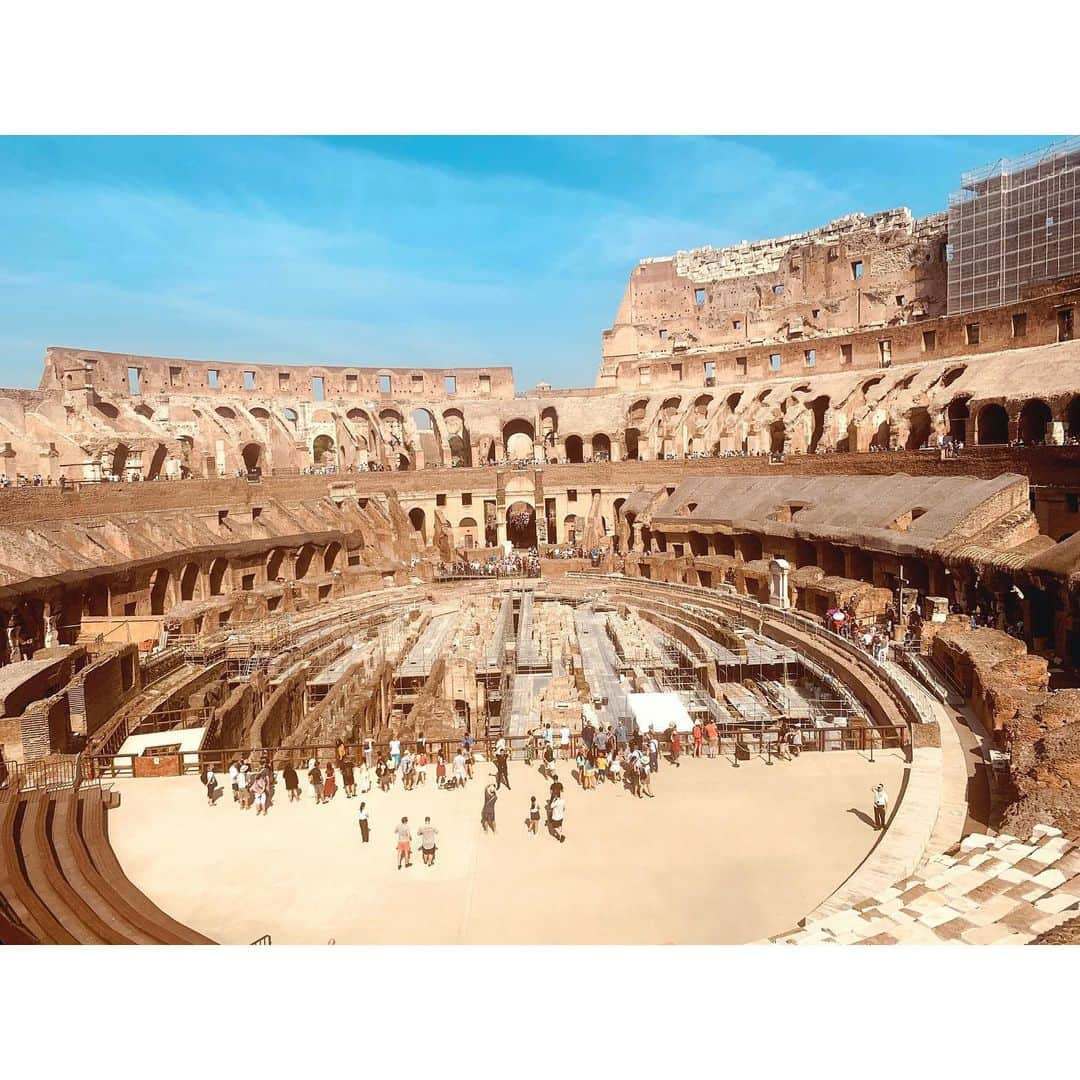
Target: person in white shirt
x: 558, y: 813
x: 881, y: 804
x: 564, y: 742
x: 242, y: 787
x: 395, y: 751
x: 234, y: 772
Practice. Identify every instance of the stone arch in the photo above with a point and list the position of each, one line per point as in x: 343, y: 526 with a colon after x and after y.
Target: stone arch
x: 601, y: 444
x: 882, y: 437
x: 252, y: 455
x: 157, y: 462
x: 96, y: 598
x: 733, y: 400
x: 418, y: 520
x: 952, y: 375
x: 518, y: 437
x: 570, y: 528
x: 457, y: 438
x: 1035, y: 419
x: 575, y: 449
x: 818, y: 408
x: 404, y: 464
x: 957, y: 415
x: 225, y: 412
x: 303, y: 561
x: 217, y: 576
x: 107, y: 409
x: 273, y: 564
x: 189, y: 581
x: 521, y: 524
x: 291, y: 416
x: 159, y: 589
x: 119, y: 460
x: 993, y: 425
x: 469, y: 527
x: 259, y: 413
x: 632, y: 436
x: 322, y: 450
x: 144, y: 411
x: 549, y: 426
x: 425, y: 423
x: 331, y: 555
x: 1072, y: 418
x: 920, y: 427
x: 777, y: 436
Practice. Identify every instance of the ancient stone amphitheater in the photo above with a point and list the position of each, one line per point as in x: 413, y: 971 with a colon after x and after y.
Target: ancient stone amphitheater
x: 202, y: 561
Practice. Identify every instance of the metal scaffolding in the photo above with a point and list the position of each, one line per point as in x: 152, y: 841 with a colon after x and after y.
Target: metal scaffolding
x: 1013, y: 224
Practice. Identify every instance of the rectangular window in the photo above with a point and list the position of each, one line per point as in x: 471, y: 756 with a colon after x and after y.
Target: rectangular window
x: 676, y: 372
x: 856, y: 270
x: 899, y: 301
x: 699, y: 297
x: 384, y: 384
x: 282, y: 381
x: 418, y: 384
x: 644, y: 376
x: 1065, y: 324
x: 318, y: 388
x: 811, y: 357
x: 663, y: 335
x: 221, y: 516
x: 1019, y: 324
x: 710, y: 372
x: 885, y: 352
x: 440, y: 499
x: 485, y: 385
x: 815, y: 313
x: 736, y: 324
x: 774, y: 362
x: 247, y: 582
x: 256, y: 513
x: 740, y: 365
x: 929, y: 340
x: 133, y: 381
x: 249, y: 380
x: 466, y: 498
x: 971, y: 332
x: 212, y: 379
x: 352, y: 383
x: 450, y: 384
x: 845, y: 354
x: 175, y: 376
x: 571, y: 494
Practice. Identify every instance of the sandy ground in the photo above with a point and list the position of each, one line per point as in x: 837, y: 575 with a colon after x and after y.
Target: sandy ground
x: 719, y: 856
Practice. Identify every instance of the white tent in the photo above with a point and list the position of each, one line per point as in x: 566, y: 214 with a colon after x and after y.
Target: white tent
x: 657, y: 712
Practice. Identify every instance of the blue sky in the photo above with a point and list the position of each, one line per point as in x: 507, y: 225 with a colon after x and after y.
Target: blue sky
x: 419, y: 251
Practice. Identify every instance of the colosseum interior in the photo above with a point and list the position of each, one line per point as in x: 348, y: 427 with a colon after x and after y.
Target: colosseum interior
x: 822, y: 484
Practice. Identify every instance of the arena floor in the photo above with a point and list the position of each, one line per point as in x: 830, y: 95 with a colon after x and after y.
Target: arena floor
x: 720, y: 856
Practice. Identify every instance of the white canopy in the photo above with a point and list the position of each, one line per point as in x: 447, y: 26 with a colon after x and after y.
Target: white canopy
x: 657, y: 712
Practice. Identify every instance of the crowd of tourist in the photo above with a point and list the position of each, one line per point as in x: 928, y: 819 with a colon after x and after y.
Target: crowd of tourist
x: 518, y: 564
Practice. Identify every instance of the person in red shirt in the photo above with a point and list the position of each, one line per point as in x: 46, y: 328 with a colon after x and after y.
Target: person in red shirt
x: 697, y: 739
x: 713, y: 737
x: 676, y: 746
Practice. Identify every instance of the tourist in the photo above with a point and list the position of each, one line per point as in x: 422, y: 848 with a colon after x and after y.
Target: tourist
x: 260, y: 788
x: 601, y: 740
x: 713, y: 737
x: 579, y: 761
x: 601, y: 766
x: 369, y: 753
x: 459, y: 769
x: 881, y: 803
x: 698, y: 737
x: 502, y: 758
x: 620, y: 735
x: 395, y: 751
x: 348, y: 777
x: 590, y: 775
x: 407, y: 774
x: 549, y: 734
x: 487, y: 815
x: 547, y: 764
x: 404, y: 843
x: 564, y: 742
x: 557, y: 815
x: 384, y: 774
x: 440, y: 771
x: 676, y: 746
x: 242, y: 784
x: 532, y: 822
x: 645, y: 769
x: 365, y: 779
x: 211, y: 782
x: 362, y: 820
x: 316, y: 781
x: 339, y: 751
x: 428, y: 833
x: 616, y: 770
x: 795, y: 741
x: 330, y: 783
x: 292, y: 782
x: 234, y: 772
x: 654, y: 752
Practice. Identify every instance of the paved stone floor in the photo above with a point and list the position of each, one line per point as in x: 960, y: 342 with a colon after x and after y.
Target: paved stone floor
x: 719, y: 856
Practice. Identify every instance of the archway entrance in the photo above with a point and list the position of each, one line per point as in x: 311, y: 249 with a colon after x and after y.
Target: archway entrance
x: 1035, y: 418
x: 958, y: 415
x: 252, y: 454
x: 521, y: 525
x: 158, y: 590
x: 993, y: 426
x: 574, y: 450
x: 322, y: 450
x: 418, y: 520
x: 1072, y: 419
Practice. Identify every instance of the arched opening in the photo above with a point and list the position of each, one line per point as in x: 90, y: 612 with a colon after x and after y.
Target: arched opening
x: 96, y: 599
x: 920, y: 428
x: 993, y: 425
x: 303, y: 561
x: 418, y: 519
x: 952, y: 375
x: 260, y: 414
x: 570, y: 528
x: 291, y: 416
x: 457, y: 438
x: 217, y: 576
x: 119, y: 461
x: 818, y: 407
x: 574, y: 450
x: 1035, y: 418
x: 699, y: 543
x: 274, y: 563
x: 882, y: 437
x: 403, y: 463
x: 159, y: 587
x: 632, y: 436
x: 733, y: 400
x: 958, y: 414
x: 549, y: 427
x: 225, y: 412
x: 322, y: 451
x: 107, y: 409
x: 518, y: 438
x: 601, y: 445
x: 427, y: 435
x: 189, y: 581
x: 157, y: 462
x: 521, y: 524
x: 1072, y: 418
x: 252, y: 455
x: 330, y: 556
x: 777, y: 437
x: 467, y: 527
x: 144, y: 411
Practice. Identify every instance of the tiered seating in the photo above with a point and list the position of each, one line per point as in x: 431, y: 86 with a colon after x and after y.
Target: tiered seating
x: 60, y: 881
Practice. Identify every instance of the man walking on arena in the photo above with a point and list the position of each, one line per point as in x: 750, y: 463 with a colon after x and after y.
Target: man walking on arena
x: 502, y: 759
x: 428, y: 835
x: 881, y: 805
x: 404, y: 843
x: 558, y: 814
x: 712, y: 736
